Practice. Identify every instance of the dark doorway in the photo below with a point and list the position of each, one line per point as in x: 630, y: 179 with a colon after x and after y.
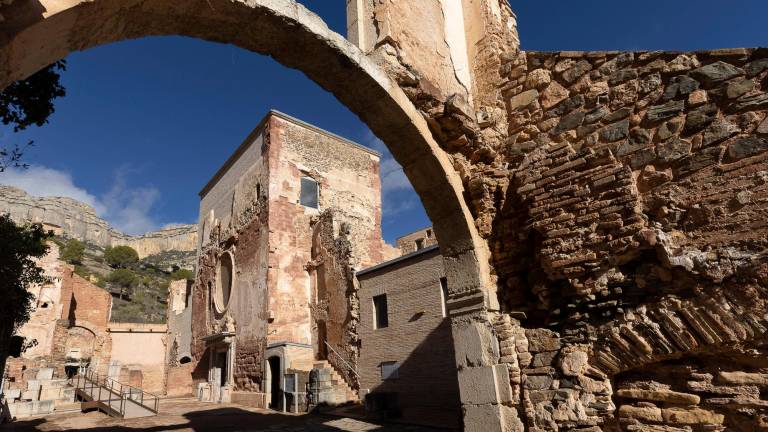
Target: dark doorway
x: 322, y: 338
x: 16, y: 346
x: 275, y: 402
x: 221, y: 364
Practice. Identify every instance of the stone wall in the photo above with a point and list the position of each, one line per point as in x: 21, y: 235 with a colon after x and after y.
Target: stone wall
x: 416, y: 240
x: 626, y: 227
x: 144, y: 367
x: 335, y: 304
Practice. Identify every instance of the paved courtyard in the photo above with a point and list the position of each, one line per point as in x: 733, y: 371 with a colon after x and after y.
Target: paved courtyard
x: 188, y: 415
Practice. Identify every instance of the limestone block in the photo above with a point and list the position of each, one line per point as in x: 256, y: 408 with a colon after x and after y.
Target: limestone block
x: 691, y: 416
x: 491, y: 418
x: 744, y: 378
x: 652, y: 414
x: 12, y: 394
x: 474, y: 343
x: 31, y: 395
x: 45, y: 374
x: 574, y: 363
x: 479, y: 385
x: 33, y: 385
x: 660, y: 396
x: 21, y: 409
x: 50, y: 394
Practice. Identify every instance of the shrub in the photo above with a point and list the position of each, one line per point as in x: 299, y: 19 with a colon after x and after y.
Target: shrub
x: 123, y: 278
x: 121, y: 256
x: 180, y: 274
x: 73, y: 252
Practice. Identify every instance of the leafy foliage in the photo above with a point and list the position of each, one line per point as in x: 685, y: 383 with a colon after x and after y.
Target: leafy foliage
x: 180, y: 274
x: 18, y: 270
x: 73, y: 252
x: 12, y: 158
x: 30, y: 102
x: 124, y: 278
x: 121, y: 256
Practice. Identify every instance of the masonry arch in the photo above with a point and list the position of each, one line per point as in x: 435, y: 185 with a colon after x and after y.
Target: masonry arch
x: 39, y: 32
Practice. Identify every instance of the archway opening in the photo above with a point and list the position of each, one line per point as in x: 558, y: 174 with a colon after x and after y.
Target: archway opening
x: 353, y: 79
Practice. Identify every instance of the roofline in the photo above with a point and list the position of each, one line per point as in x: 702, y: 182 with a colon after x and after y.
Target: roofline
x: 397, y: 260
x: 259, y: 129
x: 432, y: 227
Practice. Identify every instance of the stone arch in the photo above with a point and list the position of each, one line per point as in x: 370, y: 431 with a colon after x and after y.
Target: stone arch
x: 40, y: 32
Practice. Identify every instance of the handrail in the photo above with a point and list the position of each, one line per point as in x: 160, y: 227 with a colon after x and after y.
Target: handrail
x: 349, y: 366
x: 113, y: 387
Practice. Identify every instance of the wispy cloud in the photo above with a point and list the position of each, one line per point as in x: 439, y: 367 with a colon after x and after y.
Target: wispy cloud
x: 128, y: 209
x: 398, y: 195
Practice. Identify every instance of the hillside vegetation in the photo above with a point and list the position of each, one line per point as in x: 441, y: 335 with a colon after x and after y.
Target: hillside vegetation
x: 139, y: 287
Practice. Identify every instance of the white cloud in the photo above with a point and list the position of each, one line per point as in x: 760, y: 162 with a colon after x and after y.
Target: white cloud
x: 393, y: 179
x: 128, y: 209
x: 125, y: 208
x: 42, y: 181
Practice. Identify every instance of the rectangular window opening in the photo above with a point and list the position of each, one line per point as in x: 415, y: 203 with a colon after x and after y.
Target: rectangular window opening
x: 444, y: 295
x: 419, y: 244
x: 380, y: 313
x: 309, y: 193
x: 390, y: 371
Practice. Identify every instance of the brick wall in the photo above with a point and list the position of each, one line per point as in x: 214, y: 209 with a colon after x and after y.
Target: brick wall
x: 418, y: 338
x: 407, y: 244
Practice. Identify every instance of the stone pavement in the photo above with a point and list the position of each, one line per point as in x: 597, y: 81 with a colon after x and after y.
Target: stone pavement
x: 188, y: 415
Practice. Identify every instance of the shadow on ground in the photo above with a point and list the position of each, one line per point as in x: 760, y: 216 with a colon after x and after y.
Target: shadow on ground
x: 220, y: 419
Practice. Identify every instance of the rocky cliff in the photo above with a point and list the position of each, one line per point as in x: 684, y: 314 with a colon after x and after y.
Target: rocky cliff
x: 74, y: 219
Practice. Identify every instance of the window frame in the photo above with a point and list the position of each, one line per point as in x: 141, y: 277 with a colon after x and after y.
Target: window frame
x: 394, y: 371
x: 304, y: 178
x: 377, y: 312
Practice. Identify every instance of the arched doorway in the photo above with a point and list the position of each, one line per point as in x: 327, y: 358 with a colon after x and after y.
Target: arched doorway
x: 40, y: 32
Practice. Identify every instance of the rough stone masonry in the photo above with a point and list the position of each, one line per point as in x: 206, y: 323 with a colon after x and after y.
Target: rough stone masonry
x: 601, y: 215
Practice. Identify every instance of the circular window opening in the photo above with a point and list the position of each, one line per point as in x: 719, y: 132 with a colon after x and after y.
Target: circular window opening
x: 224, y: 276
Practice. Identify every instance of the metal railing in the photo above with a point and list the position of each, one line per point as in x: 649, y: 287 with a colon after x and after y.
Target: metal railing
x: 106, y: 390
x: 349, y: 366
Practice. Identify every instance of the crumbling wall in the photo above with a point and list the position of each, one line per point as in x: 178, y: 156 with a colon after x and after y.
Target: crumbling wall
x: 629, y: 227
x: 335, y: 305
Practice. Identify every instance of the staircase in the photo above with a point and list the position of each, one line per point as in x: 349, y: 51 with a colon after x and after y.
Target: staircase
x: 114, y: 398
x: 333, y: 389
x: 42, y: 395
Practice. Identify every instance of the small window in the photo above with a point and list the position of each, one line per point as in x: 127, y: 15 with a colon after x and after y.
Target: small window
x: 380, y: 313
x: 419, y: 244
x: 444, y: 295
x: 429, y: 233
x: 16, y: 346
x: 390, y: 371
x: 185, y: 360
x: 309, y: 192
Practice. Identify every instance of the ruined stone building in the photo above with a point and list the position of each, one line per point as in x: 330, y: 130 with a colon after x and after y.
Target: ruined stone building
x: 70, y: 329
x: 601, y: 215
x: 283, y: 222
x: 406, y: 356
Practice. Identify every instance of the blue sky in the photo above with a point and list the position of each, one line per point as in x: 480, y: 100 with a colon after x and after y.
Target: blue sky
x: 147, y: 122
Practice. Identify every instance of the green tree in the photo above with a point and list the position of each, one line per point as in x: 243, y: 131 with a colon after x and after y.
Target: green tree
x: 125, y: 279
x: 29, y: 102
x: 180, y: 274
x: 73, y: 252
x: 121, y: 256
x: 18, y: 270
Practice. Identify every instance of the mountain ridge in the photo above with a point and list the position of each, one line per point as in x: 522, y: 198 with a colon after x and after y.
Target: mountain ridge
x: 74, y: 219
